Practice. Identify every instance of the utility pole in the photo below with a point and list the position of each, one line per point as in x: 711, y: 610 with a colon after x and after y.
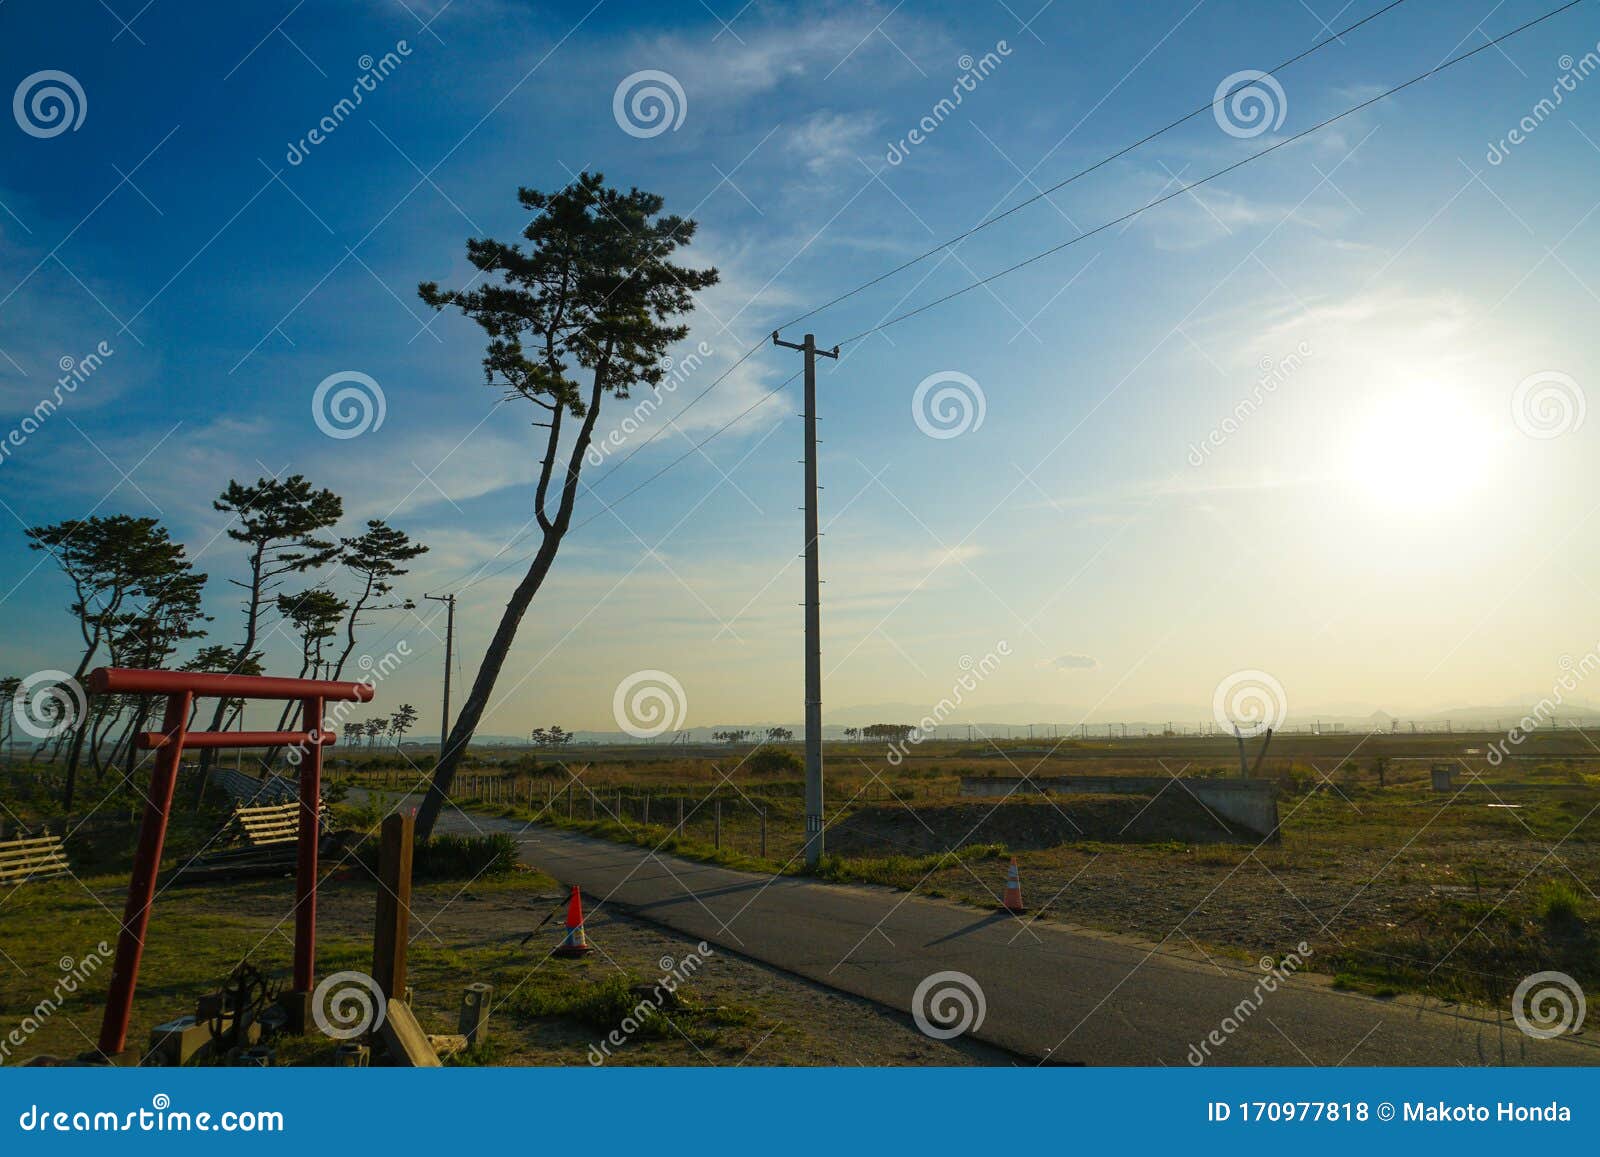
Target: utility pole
x: 813, y: 603
x: 449, y: 643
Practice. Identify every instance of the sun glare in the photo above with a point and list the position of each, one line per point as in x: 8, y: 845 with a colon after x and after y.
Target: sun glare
x: 1422, y: 449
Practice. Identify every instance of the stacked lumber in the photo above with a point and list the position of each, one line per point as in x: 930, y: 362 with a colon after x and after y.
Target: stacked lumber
x: 40, y: 858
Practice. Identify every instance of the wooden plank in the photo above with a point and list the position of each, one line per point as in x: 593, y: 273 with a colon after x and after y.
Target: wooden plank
x: 275, y: 809
x: 40, y: 858
x: 35, y: 872
x: 34, y: 854
x: 34, y: 842
x: 37, y: 858
x: 408, y: 1044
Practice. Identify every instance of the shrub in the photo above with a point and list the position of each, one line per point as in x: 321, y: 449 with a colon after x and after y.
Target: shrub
x: 775, y: 761
x: 463, y: 857
x: 1558, y: 903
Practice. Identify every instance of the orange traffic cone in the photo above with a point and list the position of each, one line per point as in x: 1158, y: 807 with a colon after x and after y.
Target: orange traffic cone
x: 1013, y: 897
x: 576, y: 943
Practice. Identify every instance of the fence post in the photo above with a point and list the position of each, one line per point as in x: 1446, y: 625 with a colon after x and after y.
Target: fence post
x: 393, y: 930
x: 719, y: 823
x: 680, y: 816
x: 646, y: 809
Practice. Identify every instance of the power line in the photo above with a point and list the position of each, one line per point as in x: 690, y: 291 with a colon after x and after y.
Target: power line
x: 1116, y: 221
x: 1043, y: 193
x: 698, y: 446
x: 1239, y: 164
x: 1039, y: 196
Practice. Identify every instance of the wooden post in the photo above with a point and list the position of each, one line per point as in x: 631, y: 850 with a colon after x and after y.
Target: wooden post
x: 393, y: 931
x: 646, y: 809
x: 680, y: 815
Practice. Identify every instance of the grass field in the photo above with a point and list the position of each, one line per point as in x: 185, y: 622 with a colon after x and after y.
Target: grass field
x: 1457, y: 894
x: 1399, y: 888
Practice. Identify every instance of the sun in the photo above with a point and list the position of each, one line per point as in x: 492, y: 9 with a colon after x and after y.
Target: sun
x: 1422, y: 448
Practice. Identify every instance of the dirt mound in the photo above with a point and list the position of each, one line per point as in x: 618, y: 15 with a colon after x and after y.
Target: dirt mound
x: 1022, y: 824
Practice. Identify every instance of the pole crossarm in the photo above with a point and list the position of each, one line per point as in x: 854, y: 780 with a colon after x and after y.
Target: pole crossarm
x: 808, y: 344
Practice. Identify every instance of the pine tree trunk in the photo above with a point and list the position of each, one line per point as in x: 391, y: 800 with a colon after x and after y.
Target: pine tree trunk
x: 494, y: 658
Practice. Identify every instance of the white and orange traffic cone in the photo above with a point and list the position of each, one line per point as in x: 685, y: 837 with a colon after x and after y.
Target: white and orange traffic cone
x: 576, y: 942
x: 1012, y: 902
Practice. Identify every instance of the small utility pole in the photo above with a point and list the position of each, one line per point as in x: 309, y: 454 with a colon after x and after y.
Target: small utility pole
x: 449, y: 644
x: 813, y: 603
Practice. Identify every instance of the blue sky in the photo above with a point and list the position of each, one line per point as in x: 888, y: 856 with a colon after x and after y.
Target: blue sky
x: 1378, y: 530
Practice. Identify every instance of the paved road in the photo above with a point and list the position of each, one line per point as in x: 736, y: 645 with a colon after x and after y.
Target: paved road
x: 1052, y: 992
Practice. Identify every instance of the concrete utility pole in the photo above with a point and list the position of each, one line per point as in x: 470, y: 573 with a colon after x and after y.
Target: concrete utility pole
x: 449, y: 643
x: 813, y: 603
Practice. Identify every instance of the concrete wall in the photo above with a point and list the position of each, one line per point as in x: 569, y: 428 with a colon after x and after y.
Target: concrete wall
x: 1251, y: 804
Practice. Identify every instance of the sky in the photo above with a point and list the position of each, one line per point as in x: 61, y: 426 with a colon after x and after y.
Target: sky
x: 1316, y: 429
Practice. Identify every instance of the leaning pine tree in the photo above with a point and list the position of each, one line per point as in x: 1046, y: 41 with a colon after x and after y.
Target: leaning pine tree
x: 585, y: 311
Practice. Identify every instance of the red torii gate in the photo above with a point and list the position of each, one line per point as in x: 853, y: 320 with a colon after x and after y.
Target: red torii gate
x: 181, y: 689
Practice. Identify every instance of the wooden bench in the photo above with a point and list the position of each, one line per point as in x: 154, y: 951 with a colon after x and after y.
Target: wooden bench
x: 265, y: 846
x: 272, y: 824
x: 40, y: 858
